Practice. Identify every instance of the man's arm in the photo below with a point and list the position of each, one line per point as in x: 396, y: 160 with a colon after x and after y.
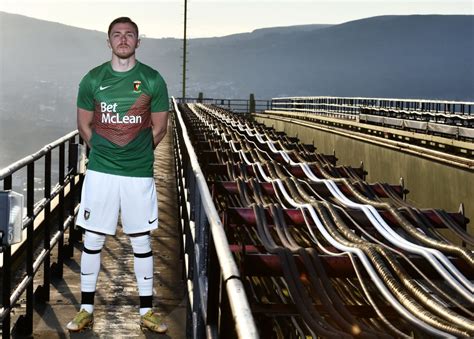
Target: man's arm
x: 84, y: 124
x: 159, y: 120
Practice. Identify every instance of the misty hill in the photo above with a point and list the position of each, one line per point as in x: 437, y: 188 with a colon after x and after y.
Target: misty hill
x: 389, y: 56
x: 256, y: 34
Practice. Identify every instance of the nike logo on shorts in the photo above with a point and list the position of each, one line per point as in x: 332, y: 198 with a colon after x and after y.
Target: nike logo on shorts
x: 152, y: 221
x: 102, y: 88
x: 148, y: 278
x: 82, y: 273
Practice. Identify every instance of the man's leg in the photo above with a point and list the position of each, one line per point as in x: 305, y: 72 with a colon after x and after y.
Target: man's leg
x: 98, y: 215
x: 90, y: 267
x: 143, y: 265
x: 139, y: 208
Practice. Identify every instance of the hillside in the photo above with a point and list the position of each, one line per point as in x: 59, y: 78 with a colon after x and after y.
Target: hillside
x: 390, y: 56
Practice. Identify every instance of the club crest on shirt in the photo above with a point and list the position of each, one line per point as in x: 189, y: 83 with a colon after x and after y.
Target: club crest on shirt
x: 87, y: 214
x: 137, y: 86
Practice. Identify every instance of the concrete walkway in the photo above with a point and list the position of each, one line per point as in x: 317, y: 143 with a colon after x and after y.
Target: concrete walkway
x: 116, y: 303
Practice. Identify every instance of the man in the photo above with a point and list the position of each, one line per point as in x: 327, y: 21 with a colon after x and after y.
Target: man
x: 122, y: 114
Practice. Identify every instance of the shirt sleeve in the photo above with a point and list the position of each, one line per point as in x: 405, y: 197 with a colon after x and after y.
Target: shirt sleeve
x: 85, y: 96
x: 160, y: 100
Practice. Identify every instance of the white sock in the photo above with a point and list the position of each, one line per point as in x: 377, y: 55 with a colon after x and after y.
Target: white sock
x: 143, y: 310
x: 90, y: 267
x: 88, y: 308
x: 143, y: 266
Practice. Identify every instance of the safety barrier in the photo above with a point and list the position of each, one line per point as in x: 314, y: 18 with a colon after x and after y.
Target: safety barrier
x: 235, y: 105
x: 42, y: 234
x: 217, y: 300
x: 451, y: 118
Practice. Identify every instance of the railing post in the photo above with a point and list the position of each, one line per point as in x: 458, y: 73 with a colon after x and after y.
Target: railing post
x: 6, y: 287
x: 6, y: 275
x: 61, y: 213
x: 179, y: 190
x: 24, y: 326
x: 214, y: 286
x: 30, y: 202
x: 73, y: 153
x: 190, y: 250
x: 45, y: 291
x: 199, y: 257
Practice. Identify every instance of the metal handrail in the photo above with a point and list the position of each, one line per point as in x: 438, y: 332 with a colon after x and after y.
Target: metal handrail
x: 236, y: 105
x: 378, y: 99
x: 453, y: 119
x: 355, y: 104
x: 245, y: 324
x: 31, y: 222
x: 9, y: 170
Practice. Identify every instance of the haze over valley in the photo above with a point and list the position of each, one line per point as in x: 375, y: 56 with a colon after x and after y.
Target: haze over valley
x: 41, y: 64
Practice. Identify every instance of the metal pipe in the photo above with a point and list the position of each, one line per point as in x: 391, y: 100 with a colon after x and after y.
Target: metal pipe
x: 183, y: 94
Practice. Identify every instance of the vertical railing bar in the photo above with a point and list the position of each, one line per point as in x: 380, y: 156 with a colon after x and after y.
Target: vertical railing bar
x: 6, y: 286
x: 214, y: 286
x: 7, y: 183
x: 59, y: 271
x: 198, y: 260
x: 47, y: 227
x: 72, y: 170
x: 204, y: 268
x: 6, y: 275
x: 30, y: 190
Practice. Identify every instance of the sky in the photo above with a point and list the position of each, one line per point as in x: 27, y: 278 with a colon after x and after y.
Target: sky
x: 164, y: 18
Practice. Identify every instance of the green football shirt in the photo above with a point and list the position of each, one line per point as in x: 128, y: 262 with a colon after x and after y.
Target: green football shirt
x: 122, y: 102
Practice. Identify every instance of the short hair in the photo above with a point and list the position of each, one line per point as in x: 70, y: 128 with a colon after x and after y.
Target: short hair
x: 122, y: 20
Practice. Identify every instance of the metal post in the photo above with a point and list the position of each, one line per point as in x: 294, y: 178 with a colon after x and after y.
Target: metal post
x: 6, y: 286
x: 47, y: 227
x: 6, y: 283
x: 25, y: 322
x: 184, y: 48
x: 73, y: 151
x: 59, y: 268
x: 214, y: 287
x: 198, y: 323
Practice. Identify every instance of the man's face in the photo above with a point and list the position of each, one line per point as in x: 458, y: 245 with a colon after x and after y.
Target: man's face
x: 123, y: 40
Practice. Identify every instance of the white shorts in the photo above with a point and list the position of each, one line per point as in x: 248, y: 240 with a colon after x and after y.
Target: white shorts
x: 105, y: 195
